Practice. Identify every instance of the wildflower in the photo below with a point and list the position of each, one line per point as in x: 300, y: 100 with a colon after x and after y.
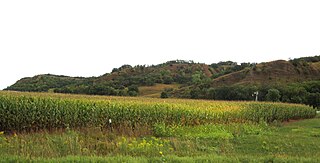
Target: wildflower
x: 160, y: 153
x: 2, y: 132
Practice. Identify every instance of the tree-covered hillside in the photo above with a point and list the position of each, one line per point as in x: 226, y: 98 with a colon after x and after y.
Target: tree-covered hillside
x: 296, y: 81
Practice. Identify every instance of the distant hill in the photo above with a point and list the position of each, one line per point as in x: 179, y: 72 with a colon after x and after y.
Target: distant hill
x: 122, y: 81
x: 152, y: 80
x: 47, y: 82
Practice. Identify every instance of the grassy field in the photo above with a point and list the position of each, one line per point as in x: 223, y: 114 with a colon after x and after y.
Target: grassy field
x: 62, y: 128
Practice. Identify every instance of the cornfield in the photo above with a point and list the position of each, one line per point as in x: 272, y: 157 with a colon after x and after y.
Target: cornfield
x: 36, y: 111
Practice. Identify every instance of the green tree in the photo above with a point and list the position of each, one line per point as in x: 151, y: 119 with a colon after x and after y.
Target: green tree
x: 164, y: 94
x: 273, y: 95
x: 133, y: 88
x: 314, y: 100
x: 167, y: 80
x: 211, y: 93
x: 196, y: 78
x: 195, y: 93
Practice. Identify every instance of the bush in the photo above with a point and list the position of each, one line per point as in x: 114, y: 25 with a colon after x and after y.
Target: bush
x: 273, y: 95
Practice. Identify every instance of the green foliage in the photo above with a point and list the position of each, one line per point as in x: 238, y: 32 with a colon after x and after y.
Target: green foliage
x: 116, y: 82
x: 313, y: 99
x: 228, y: 67
x: 43, y: 83
x: 164, y: 94
x: 162, y: 130
x: 304, y: 60
x: 195, y: 93
x: 232, y: 142
x: 167, y: 79
x: 273, y: 95
x: 302, y: 93
x: 170, y: 158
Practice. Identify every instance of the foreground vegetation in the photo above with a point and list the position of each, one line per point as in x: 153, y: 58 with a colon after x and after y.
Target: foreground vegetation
x: 292, y: 142
x: 32, y: 112
x: 58, y: 127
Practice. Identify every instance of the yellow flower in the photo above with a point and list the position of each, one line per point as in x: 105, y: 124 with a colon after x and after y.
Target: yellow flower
x: 2, y: 132
x: 160, y: 153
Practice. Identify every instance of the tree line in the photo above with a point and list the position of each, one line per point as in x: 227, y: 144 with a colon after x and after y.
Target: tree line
x: 303, y: 93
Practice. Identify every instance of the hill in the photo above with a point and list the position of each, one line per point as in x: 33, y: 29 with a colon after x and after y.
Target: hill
x: 122, y: 81
x: 47, y: 82
x: 296, y: 80
x: 272, y: 72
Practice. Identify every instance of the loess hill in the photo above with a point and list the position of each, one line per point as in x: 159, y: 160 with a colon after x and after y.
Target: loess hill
x: 182, y: 75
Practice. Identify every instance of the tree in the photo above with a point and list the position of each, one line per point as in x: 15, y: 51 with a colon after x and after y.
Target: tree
x: 167, y: 80
x: 149, y: 81
x: 133, y: 88
x: 273, y: 95
x: 195, y: 93
x: 196, y: 78
x: 133, y: 93
x: 211, y: 93
x: 313, y: 99
x: 164, y: 94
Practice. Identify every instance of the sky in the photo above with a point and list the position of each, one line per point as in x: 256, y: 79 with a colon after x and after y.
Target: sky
x: 89, y: 38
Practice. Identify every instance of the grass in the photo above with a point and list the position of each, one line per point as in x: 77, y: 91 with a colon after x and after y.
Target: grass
x: 155, y: 91
x: 122, y: 159
x: 280, y: 142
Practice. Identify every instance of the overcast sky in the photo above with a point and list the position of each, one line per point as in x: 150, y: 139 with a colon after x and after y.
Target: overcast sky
x: 89, y: 38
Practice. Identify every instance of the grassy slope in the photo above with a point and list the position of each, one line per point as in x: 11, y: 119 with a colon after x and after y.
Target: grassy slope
x: 291, y: 142
x: 155, y: 91
x: 270, y: 73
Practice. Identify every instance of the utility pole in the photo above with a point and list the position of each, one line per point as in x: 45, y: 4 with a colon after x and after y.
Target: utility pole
x: 256, y: 94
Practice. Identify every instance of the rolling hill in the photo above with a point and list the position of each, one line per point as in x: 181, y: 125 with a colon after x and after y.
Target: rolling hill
x: 181, y: 76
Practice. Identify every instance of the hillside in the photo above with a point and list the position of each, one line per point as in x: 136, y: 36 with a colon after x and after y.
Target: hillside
x: 272, y: 72
x: 187, y: 79
x: 122, y: 81
x: 155, y: 90
x: 47, y: 82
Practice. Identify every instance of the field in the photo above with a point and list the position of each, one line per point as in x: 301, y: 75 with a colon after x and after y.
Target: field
x: 61, y: 127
